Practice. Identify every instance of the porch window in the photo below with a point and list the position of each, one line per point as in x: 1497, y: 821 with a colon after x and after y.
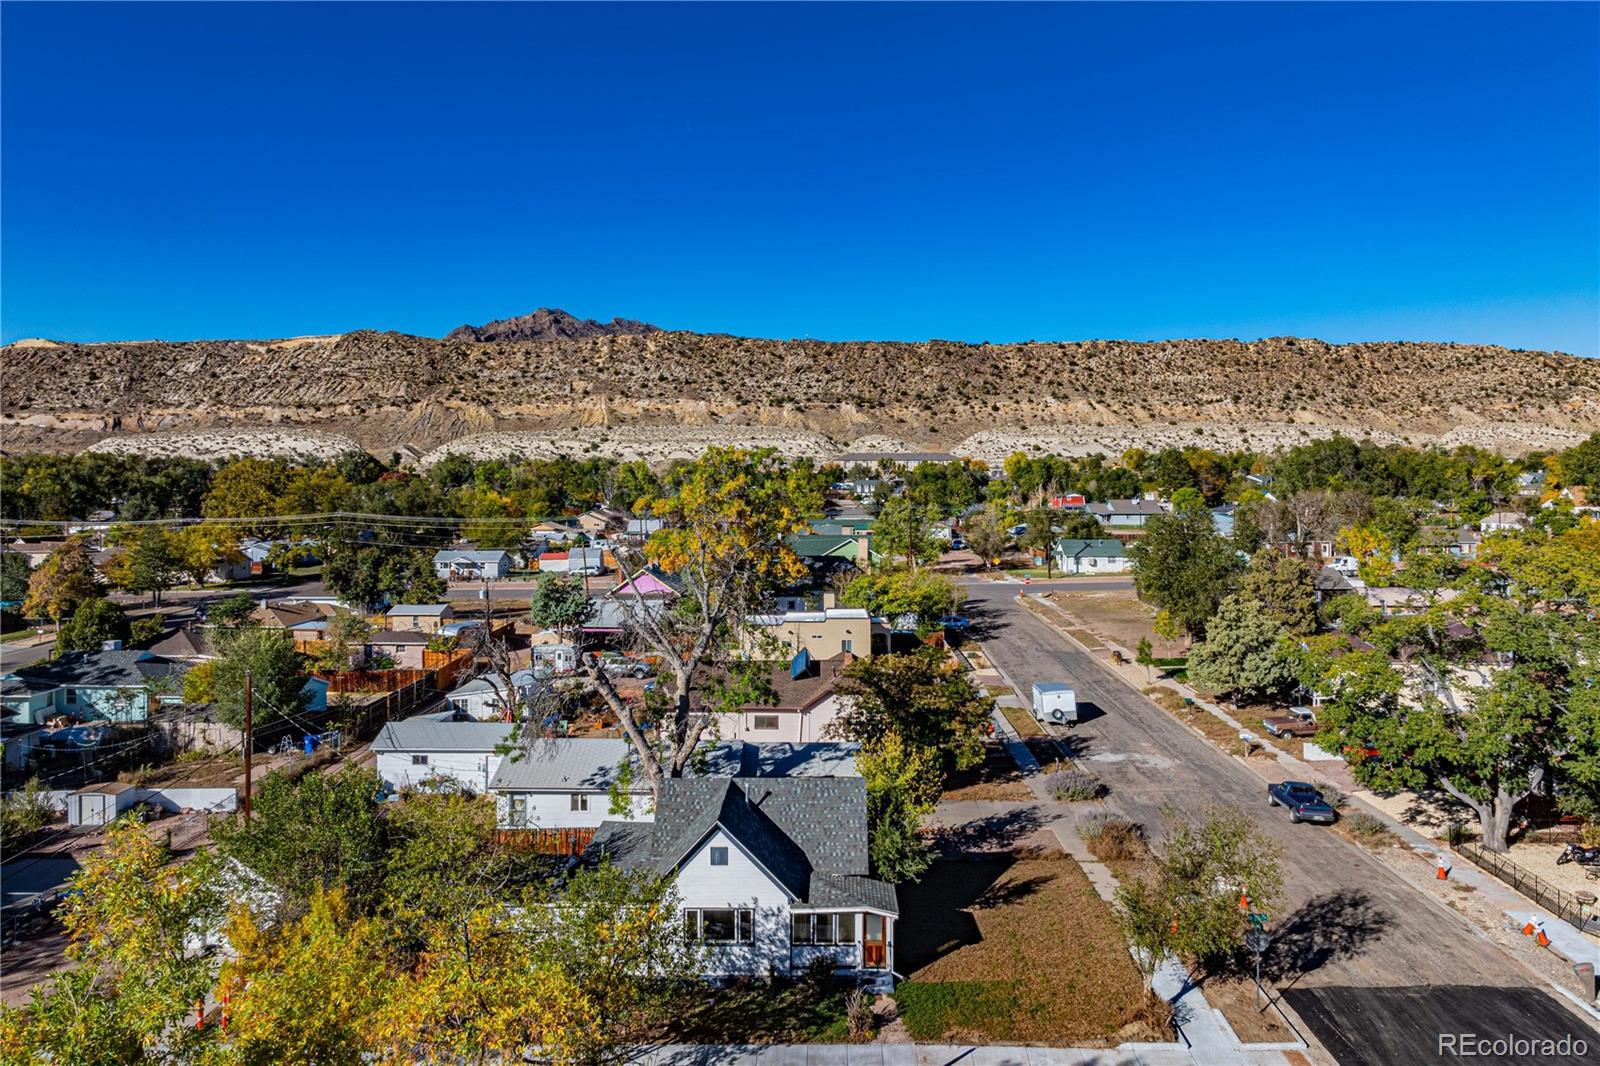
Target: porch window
x: 847, y: 927
x: 821, y: 929
x: 721, y: 925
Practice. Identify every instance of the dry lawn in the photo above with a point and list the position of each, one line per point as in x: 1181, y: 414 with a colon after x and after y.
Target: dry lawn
x: 1024, y: 723
x: 1005, y: 950
x: 996, y: 778
x: 1119, y: 617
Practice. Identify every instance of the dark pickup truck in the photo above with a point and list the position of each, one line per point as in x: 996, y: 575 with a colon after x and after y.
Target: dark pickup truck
x: 1299, y: 722
x: 1305, y: 803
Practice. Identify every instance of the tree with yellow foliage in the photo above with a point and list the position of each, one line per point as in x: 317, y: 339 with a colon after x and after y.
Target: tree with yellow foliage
x: 1373, y: 552
x: 726, y: 516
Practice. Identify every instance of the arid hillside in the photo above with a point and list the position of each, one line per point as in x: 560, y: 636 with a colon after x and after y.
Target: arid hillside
x: 388, y: 390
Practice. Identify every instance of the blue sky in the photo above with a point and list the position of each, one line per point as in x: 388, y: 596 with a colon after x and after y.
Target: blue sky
x: 1354, y: 172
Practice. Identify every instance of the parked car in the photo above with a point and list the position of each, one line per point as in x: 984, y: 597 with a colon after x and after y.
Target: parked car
x: 617, y: 665
x: 592, y: 570
x: 1305, y: 803
x: 957, y: 544
x: 1299, y: 722
x: 956, y: 622
x: 1017, y: 530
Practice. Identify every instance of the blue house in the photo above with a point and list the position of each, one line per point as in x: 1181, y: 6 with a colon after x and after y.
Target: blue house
x: 116, y: 686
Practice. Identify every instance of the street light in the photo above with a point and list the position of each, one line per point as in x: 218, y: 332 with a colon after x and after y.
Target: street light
x: 1257, y: 941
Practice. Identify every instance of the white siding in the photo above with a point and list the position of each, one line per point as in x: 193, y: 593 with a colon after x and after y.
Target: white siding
x: 473, y: 769
x: 741, y: 884
x: 553, y: 810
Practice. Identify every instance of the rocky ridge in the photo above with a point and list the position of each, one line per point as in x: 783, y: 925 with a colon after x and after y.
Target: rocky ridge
x: 386, y: 390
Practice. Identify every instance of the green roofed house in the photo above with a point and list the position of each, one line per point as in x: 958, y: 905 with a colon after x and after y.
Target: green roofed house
x: 1101, y: 555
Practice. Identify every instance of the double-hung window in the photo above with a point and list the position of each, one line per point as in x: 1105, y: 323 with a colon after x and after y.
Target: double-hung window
x: 419, y: 760
x: 519, y: 811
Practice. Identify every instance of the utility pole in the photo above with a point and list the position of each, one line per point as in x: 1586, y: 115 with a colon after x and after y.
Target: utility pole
x: 249, y: 742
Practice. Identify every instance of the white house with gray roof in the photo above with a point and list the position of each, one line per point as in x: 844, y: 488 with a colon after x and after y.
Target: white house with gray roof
x: 465, y: 564
x: 412, y: 751
x: 772, y: 873
x: 567, y: 782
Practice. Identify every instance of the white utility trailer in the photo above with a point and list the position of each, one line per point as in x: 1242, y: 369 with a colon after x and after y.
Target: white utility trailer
x: 1055, y: 703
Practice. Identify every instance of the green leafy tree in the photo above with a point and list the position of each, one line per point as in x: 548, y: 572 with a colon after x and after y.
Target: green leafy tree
x: 247, y: 488
x: 1188, y: 500
x: 277, y: 684
x: 1480, y: 694
x: 1079, y: 525
x: 149, y: 563
x: 923, y: 698
x: 14, y: 572
x: 232, y: 613
x: 1284, y: 589
x: 902, y: 788
x: 1184, y: 566
x: 985, y: 534
x: 893, y: 593
x: 1242, y: 654
x: 1145, y: 657
x: 559, y: 604
x: 91, y: 625
x: 370, y: 574
x: 1190, y: 907
x: 902, y: 532
x: 1041, y: 536
x: 1580, y: 464
x: 319, y: 831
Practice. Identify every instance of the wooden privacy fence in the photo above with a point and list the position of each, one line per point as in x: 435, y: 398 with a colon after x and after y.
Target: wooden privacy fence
x: 371, y: 680
x: 446, y: 666
x: 545, y: 841
x: 1564, y: 904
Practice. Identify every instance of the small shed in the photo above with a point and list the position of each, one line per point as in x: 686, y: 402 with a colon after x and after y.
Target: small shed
x: 100, y: 804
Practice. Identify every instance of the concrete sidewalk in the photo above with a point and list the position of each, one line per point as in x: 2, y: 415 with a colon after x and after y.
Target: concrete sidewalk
x: 953, y: 1054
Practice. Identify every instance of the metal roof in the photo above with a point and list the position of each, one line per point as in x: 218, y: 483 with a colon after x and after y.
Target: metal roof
x: 429, y: 734
x: 428, y: 609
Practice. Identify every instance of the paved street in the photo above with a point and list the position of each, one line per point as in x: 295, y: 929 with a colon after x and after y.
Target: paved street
x: 1351, y: 928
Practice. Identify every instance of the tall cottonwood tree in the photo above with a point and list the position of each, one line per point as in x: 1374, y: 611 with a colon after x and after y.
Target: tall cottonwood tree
x: 726, y: 515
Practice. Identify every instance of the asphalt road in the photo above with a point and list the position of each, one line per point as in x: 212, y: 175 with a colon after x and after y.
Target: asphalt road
x: 1351, y: 931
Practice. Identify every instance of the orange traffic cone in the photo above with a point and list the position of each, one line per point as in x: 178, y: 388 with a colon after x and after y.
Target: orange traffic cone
x: 1542, y: 940
x: 1174, y: 927
x: 1527, y: 930
x: 1244, y: 902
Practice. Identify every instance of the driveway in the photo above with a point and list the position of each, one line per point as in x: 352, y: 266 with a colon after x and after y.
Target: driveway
x: 1352, y: 935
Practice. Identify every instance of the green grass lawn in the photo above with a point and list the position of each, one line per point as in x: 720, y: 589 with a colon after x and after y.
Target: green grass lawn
x: 16, y: 634
x: 779, y: 1011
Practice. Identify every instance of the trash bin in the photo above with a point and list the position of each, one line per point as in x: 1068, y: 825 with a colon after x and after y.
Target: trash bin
x: 1586, y: 986
x: 310, y: 743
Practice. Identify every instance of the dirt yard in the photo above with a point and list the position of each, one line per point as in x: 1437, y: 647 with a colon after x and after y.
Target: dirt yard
x: 1119, y: 617
x: 1003, y: 950
x: 996, y: 778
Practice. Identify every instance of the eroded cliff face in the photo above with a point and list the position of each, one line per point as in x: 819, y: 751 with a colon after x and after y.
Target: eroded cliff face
x: 386, y: 390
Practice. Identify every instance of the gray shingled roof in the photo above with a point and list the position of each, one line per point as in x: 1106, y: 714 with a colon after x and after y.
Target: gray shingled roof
x: 97, y: 669
x: 809, y: 832
x: 563, y: 764
x: 430, y: 734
